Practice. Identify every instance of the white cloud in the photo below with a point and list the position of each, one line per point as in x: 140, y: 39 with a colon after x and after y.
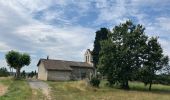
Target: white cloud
x: 165, y: 45
x: 153, y: 3
x: 37, y: 27
x: 110, y: 11
x: 4, y: 47
x: 50, y: 38
x: 161, y: 29
x: 3, y: 63
x: 20, y: 31
x: 164, y: 23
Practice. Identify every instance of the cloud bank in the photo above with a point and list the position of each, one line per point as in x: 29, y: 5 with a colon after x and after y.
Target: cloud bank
x: 64, y: 29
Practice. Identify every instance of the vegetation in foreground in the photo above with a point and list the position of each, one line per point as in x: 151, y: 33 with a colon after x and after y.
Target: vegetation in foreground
x: 19, y: 90
x: 79, y: 90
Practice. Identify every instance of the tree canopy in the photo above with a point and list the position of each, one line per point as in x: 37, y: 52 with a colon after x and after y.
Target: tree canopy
x: 126, y: 51
x: 154, y: 61
x: 17, y: 60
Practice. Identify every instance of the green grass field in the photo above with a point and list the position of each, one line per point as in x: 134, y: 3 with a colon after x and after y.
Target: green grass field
x: 19, y: 90
x: 81, y: 91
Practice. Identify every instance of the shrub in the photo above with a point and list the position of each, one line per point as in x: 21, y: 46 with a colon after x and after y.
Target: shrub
x: 95, y: 82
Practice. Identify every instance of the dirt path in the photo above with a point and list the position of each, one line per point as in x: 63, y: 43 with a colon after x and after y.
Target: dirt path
x: 3, y: 89
x: 37, y: 84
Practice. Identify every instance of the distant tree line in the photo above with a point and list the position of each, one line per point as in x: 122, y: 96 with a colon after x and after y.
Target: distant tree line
x: 126, y: 53
x: 162, y: 79
x: 4, y: 72
x: 28, y: 74
x: 32, y: 74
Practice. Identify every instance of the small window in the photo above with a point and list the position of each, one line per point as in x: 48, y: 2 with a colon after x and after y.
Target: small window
x: 87, y: 58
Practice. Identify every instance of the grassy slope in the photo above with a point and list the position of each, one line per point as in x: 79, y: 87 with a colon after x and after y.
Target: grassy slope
x: 80, y: 91
x: 19, y: 90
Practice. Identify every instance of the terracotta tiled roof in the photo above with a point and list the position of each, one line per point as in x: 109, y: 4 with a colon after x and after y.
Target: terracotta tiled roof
x: 62, y: 64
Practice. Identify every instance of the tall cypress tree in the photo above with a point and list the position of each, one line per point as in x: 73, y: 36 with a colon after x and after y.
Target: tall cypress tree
x: 101, y: 35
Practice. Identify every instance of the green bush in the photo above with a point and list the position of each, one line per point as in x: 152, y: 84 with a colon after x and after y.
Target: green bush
x: 95, y: 82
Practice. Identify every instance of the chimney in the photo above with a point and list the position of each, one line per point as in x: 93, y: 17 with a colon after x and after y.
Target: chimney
x: 47, y: 57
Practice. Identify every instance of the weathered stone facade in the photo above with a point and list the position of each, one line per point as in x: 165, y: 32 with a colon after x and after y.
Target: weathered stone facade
x: 42, y: 72
x: 59, y: 75
x: 81, y: 73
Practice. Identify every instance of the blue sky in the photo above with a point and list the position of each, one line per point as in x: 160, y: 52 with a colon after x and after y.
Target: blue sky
x: 64, y: 29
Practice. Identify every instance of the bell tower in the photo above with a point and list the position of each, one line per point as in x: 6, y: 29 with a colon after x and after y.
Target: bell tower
x: 88, y: 57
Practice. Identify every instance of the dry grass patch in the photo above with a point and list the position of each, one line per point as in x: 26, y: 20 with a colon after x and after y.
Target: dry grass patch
x: 37, y: 95
x: 4, y: 84
x: 79, y: 90
x: 19, y: 90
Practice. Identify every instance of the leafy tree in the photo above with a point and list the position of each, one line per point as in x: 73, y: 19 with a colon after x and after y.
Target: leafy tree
x: 107, y: 61
x: 32, y: 74
x: 23, y: 74
x: 17, y: 61
x: 122, y: 54
x: 101, y: 35
x: 4, y: 72
x: 155, y: 60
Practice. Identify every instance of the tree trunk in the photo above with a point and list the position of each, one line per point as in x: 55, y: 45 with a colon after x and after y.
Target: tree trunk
x: 10, y: 69
x: 125, y: 85
x: 150, y: 86
x: 17, y: 73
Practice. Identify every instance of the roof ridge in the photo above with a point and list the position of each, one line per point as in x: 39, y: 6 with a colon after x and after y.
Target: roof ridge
x: 62, y: 60
x: 54, y: 64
